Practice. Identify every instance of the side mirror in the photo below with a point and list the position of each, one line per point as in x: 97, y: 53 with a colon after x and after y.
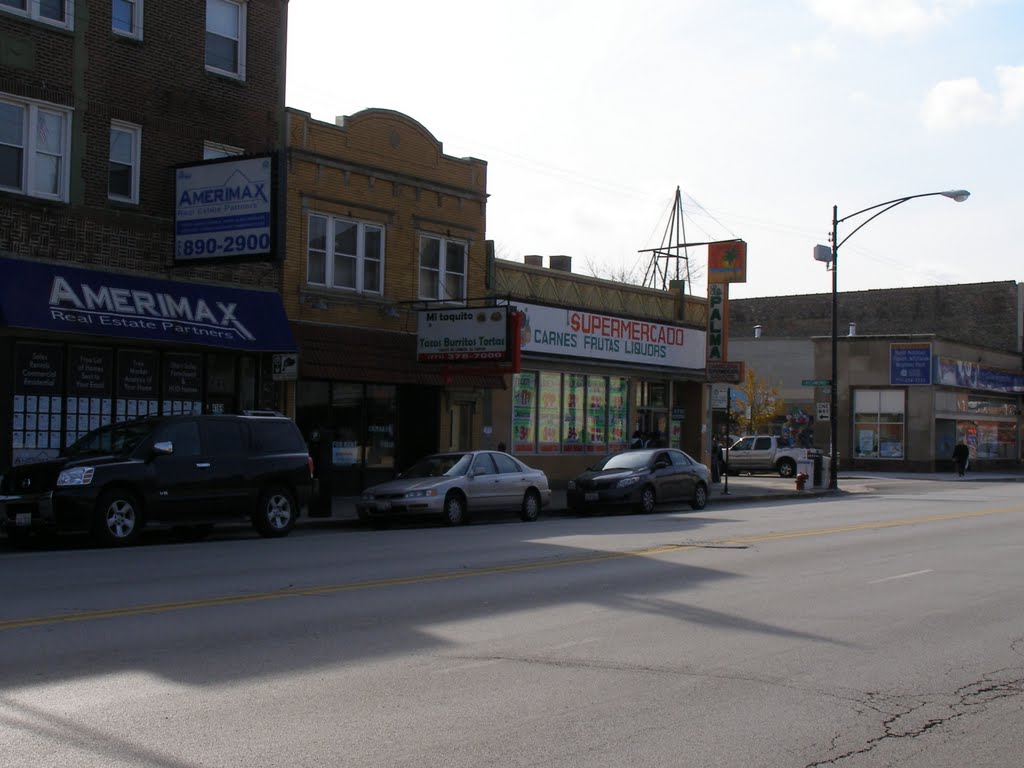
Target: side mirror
x: 163, y: 449
x: 660, y: 464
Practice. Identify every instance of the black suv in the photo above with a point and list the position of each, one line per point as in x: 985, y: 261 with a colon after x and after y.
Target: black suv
x: 188, y: 472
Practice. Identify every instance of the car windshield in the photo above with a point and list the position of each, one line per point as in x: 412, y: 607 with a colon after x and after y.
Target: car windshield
x: 441, y: 465
x: 630, y: 460
x: 117, y: 439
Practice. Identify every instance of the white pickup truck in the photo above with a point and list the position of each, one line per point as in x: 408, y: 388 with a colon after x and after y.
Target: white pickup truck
x: 762, y: 453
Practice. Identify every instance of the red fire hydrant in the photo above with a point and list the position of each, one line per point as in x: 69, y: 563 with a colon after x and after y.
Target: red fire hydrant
x: 801, y: 481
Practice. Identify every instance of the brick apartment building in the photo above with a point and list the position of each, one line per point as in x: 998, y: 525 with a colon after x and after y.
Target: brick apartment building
x: 109, y: 309
x: 381, y: 224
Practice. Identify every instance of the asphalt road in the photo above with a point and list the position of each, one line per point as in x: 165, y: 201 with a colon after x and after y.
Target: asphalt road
x: 880, y: 628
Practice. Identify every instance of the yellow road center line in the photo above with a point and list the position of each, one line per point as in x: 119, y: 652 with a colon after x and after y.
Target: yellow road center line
x: 536, y: 565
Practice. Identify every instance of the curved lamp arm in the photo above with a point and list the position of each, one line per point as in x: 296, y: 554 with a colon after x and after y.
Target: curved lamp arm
x: 959, y: 195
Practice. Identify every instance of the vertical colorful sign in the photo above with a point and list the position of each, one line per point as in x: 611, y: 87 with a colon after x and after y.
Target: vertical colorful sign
x: 718, y: 322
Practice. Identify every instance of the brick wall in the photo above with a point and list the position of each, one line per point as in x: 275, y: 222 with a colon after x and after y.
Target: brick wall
x: 384, y: 168
x: 980, y: 314
x: 161, y: 84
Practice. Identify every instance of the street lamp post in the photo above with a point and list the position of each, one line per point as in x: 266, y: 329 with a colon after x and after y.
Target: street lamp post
x: 823, y: 253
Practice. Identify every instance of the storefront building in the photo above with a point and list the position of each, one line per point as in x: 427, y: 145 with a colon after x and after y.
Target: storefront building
x: 139, y: 234
x: 381, y: 225
x: 904, y: 402
x: 593, y: 382
x: 88, y: 347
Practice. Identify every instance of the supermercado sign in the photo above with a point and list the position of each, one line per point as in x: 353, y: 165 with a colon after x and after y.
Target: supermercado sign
x: 578, y: 333
x: 224, y: 209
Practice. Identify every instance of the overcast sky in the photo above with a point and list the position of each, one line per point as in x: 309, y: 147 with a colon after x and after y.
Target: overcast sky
x: 765, y: 113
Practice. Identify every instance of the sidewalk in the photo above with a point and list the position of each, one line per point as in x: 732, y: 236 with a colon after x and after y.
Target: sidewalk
x: 741, y: 488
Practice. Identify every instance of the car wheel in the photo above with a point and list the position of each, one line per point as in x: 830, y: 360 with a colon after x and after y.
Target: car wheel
x: 647, y: 500
x: 118, y: 518
x: 275, y: 516
x: 700, y: 496
x: 787, y: 468
x: 531, y: 507
x: 454, y: 509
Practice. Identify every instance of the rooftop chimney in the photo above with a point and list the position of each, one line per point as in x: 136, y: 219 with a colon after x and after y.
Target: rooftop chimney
x: 757, y: 331
x: 853, y: 329
x: 533, y: 260
x: 561, y: 263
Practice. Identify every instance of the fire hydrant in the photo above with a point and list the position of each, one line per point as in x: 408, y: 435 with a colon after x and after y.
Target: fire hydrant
x: 801, y: 481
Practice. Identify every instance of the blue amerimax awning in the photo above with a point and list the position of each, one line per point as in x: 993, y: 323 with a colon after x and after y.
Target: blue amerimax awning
x: 52, y: 297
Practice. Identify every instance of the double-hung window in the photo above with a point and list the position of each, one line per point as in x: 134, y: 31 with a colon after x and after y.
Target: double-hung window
x: 442, y: 269
x: 34, y: 147
x: 58, y: 12
x: 225, y: 37
x: 126, y: 18
x: 125, y: 141
x: 344, y: 253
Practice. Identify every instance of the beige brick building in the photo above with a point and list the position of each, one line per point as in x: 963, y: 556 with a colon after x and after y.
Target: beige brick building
x: 381, y: 224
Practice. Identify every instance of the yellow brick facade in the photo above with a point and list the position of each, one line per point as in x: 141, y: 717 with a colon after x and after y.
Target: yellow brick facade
x: 380, y: 167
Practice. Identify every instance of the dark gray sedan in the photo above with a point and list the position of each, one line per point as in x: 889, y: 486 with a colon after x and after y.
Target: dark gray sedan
x: 639, y: 480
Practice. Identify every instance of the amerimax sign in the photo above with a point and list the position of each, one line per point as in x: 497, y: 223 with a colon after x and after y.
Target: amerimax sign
x: 72, y: 300
x: 578, y: 333
x: 224, y: 209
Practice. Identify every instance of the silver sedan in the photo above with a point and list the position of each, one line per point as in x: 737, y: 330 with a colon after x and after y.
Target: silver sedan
x: 450, y: 486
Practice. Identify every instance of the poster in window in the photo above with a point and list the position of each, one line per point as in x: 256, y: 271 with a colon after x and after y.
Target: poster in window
x: 676, y: 436
x: 618, y: 411
x: 549, y: 412
x: 574, y: 412
x: 38, y: 382
x: 181, y: 383
x: 524, y: 411
x: 137, y: 382
x: 597, y: 414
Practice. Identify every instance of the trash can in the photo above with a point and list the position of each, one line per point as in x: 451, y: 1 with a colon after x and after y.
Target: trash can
x: 826, y: 475
x: 819, y: 465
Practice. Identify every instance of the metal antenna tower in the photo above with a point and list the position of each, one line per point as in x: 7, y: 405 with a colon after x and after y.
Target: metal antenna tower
x: 673, y: 248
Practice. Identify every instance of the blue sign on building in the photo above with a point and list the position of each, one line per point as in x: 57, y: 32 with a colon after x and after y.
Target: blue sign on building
x: 53, y: 297
x: 910, y: 363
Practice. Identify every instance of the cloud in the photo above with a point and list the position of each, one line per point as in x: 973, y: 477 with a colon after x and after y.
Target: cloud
x: 1011, y: 85
x: 886, y: 18
x: 819, y: 49
x: 952, y: 104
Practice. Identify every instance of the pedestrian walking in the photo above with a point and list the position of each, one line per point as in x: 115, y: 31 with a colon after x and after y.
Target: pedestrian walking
x: 961, y: 455
x: 716, y: 462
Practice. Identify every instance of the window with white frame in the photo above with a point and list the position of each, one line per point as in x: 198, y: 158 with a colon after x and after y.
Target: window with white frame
x: 344, y: 253
x: 442, y: 269
x: 34, y: 147
x: 126, y: 18
x: 213, y: 150
x: 878, y: 419
x: 58, y: 12
x: 225, y: 37
x: 125, y: 141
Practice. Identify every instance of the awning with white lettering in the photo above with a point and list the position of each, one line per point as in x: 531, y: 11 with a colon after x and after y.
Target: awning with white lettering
x: 64, y: 299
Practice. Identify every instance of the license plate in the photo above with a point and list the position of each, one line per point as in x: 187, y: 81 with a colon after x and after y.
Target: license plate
x: 590, y: 497
x: 23, y: 518
x: 383, y: 506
